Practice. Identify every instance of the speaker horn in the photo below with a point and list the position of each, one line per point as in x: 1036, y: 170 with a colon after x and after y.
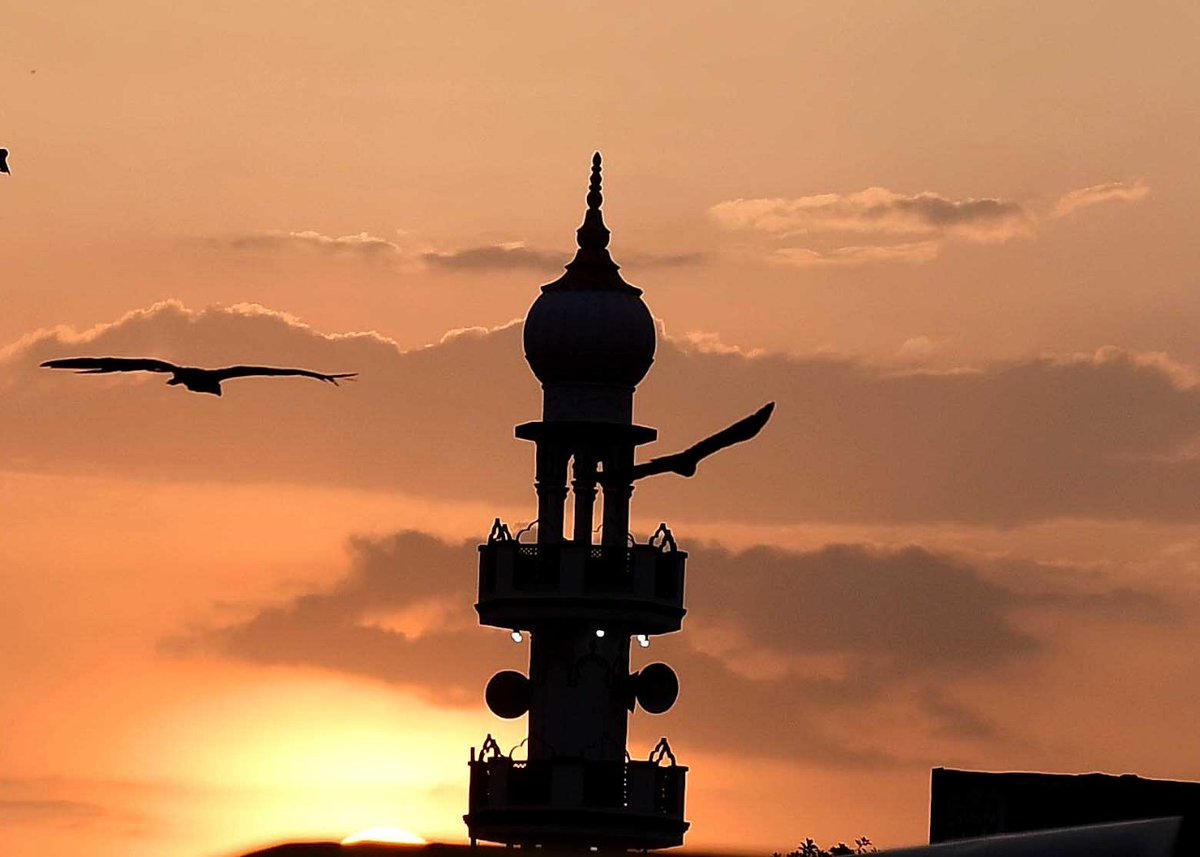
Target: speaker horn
x: 508, y: 694
x: 656, y: 688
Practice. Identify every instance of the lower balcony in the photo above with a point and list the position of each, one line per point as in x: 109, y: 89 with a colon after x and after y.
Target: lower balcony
x: 577, y: 803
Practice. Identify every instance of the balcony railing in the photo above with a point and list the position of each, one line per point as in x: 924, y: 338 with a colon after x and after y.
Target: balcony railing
x: 637, y: 787
x: 639, y: 581
x: 634, y: 802
x: 640, y: 571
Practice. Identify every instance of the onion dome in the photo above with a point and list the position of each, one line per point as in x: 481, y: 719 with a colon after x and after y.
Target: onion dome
x: 589, y: 329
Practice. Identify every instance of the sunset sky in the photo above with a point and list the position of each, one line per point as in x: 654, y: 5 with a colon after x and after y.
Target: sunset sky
x: 955, y: 241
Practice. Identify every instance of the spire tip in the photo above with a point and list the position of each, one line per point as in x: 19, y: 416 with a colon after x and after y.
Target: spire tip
x: 594, y: 197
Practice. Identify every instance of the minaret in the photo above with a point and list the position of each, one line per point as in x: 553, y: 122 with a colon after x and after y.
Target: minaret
x: 590, y: 340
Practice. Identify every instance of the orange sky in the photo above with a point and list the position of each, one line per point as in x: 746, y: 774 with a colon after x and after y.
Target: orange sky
x: 955, y: 242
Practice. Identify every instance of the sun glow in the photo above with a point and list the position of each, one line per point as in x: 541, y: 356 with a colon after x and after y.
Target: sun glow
x: 384, y: 834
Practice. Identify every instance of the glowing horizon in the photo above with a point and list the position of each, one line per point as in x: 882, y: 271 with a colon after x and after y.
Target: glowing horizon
x: 381, y: 833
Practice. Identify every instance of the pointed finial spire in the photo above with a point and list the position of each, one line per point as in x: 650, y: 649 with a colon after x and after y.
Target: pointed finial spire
x: 593, y: 234
x: 592, y: 268
x: 594, y: 198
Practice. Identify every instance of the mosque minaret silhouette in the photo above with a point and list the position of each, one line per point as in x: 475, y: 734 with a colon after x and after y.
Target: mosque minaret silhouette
x: 583, y: 602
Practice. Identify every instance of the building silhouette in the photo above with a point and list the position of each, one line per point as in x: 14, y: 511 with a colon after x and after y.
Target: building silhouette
x: 583, y: 597
x: 969, y: 804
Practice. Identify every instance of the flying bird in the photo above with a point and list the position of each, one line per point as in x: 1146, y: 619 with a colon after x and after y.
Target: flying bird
x: 4, y: 162
x: 193, y: 378
x: 684, y: 463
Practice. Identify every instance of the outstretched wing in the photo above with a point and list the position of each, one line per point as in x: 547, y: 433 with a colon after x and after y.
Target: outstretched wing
x: 101, y: 365
x: 684, y: 463
x: 743, y: 430
x: 247, y: 371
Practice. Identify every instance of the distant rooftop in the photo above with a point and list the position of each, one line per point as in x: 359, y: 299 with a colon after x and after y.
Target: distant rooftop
x: 967, y: 804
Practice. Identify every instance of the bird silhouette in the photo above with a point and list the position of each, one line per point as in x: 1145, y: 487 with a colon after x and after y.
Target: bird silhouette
x: 4, y: 162
x: 684, y: 463
x: 193, y: 378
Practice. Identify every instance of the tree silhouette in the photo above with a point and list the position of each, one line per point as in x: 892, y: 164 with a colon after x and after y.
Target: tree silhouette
x: 809, y: 848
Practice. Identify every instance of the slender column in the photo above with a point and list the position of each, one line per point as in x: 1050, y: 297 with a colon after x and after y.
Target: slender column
x: 584, y: 486
x: 551, y: 492
x: 616, y: 513
x: 617, y: 492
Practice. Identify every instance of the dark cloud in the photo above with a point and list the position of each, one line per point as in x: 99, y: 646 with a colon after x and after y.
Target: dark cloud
x: 499, y: 257
x: 494, y: 257
x: 65, y: 813
x: 954, y: 718
x: 941, y: 212
x: 361, y: 245
x: 1100, y: 592
x: 353, y: 626
x: 1102, y: 436
x: 1111, y: 435
x: 880, y: 211
x: 661, y: 260
x: 890, y: 611
x: 877, y: 211
x: 781, y: 643
x: 866, y: 254
x: 482, y: 258
x: 36, y: 805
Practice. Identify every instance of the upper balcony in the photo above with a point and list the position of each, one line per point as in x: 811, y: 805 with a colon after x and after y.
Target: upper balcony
x: 639, y: 587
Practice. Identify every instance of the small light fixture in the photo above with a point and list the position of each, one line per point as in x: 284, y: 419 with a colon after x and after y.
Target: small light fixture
x: 516, y: 636
x: 599, y: 632
x: 643, y: 641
